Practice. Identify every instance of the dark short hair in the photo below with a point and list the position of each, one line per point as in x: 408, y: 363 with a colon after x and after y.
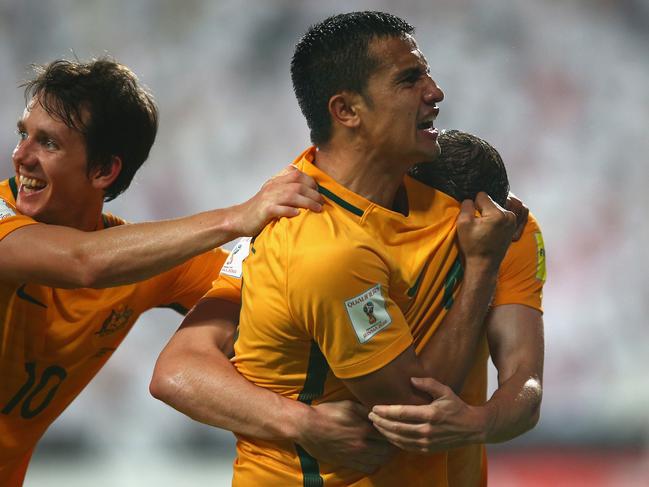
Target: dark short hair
x: 467, y: 164
x: 333, y: 56
x: 123, y: 118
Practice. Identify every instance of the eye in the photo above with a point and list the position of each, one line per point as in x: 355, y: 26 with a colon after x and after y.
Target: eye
x: 22, y: 135
x: 50, y: 144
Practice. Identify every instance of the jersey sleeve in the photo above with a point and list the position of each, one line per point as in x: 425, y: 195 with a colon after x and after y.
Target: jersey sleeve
x: 10, y: 219
x: 339, y: 294
x: 184, y: 285
x: 522, y: 272
x: 227, y: 285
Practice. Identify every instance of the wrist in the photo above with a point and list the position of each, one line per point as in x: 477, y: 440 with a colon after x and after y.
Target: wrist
x: 487, y: 422
x: 300, y: 418
x: 482, y: 266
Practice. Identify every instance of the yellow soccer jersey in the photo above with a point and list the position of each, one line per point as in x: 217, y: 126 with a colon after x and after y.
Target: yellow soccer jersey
x: 323, y: 299
x: 53, y: 341
x: 520, y: 281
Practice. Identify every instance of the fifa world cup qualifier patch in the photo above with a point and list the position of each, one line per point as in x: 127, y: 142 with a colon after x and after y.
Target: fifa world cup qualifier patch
x: 234, y: 265
x: 5, y: 210
x: 368, y: 313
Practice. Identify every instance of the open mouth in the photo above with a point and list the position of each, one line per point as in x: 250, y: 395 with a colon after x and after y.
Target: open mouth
x: 30, y: 185
x: 425, y: 125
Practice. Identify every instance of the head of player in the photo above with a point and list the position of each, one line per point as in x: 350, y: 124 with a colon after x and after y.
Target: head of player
x: 85, y: 131
x: 361, y: 80
x: 467, y: 165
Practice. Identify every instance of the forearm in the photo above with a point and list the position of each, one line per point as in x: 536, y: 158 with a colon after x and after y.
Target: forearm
x: 514, y: 408
x: 130, y: 253
x: 210, y: 390
x: 448, y: 355
x: 194, y: 375
x: 65, y: 257
x: 515, y: 335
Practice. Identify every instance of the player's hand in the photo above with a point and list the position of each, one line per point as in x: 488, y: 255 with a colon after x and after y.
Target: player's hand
x: 484, y: 238
x: 340, y: 434
x: 522, y: 212
x: 447, y: 422
x: 281, y: 195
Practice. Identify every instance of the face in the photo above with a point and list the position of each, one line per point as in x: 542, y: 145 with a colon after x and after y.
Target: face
x: 50, y: 163
x: 401, y: 103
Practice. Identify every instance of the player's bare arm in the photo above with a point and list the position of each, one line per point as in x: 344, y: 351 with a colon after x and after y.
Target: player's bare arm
x: 448, y: 353
x: 194, y: 375
x: 61, y: 256
x: 515, y: 334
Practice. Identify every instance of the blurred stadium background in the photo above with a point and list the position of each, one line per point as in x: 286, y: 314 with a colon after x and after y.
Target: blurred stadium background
x: 560, y: 88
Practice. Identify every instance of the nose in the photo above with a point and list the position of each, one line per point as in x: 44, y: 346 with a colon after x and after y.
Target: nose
x: 23, y: 155
x: 433, y: 93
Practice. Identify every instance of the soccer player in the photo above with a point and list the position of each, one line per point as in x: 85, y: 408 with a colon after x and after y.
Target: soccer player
x: 514, y: 328
x: 85, y: 131
x: 328, y: 298
x: 513, y: 334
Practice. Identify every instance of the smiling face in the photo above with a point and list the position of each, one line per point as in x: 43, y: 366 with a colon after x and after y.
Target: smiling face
x: 50, y: 162
x: 401, y: 103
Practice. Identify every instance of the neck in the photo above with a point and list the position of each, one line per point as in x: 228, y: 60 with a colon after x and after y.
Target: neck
x: 87, y: 219
x: 363, y: 172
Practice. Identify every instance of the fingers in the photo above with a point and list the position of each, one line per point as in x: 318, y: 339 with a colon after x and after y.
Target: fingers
x: 278, y: 211
x: 467, y: 212
x: 485, y: 204
x: 292, y: 175
x: 430, y: 386
x: 416, y: 442
x: 410, y: 414
x: 287, y: 170
x: 521, y: 211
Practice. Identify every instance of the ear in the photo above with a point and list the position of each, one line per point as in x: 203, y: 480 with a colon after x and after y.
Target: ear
x: 103, y: 177
x: 344, y: 109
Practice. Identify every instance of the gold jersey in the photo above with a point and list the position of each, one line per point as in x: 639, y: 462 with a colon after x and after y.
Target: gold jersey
x: 53, y: 341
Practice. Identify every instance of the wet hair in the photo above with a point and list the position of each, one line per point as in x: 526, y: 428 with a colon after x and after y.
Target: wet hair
x: 333, y: 56
x: 467, y: 164
x: 105, y: 102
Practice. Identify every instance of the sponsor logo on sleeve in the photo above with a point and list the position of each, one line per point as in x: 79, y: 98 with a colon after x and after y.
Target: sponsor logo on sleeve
x: 6, y: 210
x: 368, y: 313
x: 540, y: 257
x: 234, y: 265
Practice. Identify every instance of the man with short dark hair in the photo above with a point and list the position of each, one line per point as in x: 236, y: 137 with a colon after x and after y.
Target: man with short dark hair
x: 85, y: 131
x: 335, y: 305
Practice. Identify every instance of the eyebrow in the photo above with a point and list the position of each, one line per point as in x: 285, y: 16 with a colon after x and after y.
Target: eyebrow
x: 412, y: 71
x: 40, y: 133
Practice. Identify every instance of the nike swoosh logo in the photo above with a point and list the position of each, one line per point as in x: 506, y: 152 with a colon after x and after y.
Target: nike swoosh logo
x: 20, y: 292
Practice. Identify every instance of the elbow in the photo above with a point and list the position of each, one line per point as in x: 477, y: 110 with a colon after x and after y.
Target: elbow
x: 87, y: 269
x: 166, y: 383
x: 535, y: 407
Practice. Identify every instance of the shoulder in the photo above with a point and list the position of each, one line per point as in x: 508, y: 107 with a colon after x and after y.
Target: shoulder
x: 319, y: 246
